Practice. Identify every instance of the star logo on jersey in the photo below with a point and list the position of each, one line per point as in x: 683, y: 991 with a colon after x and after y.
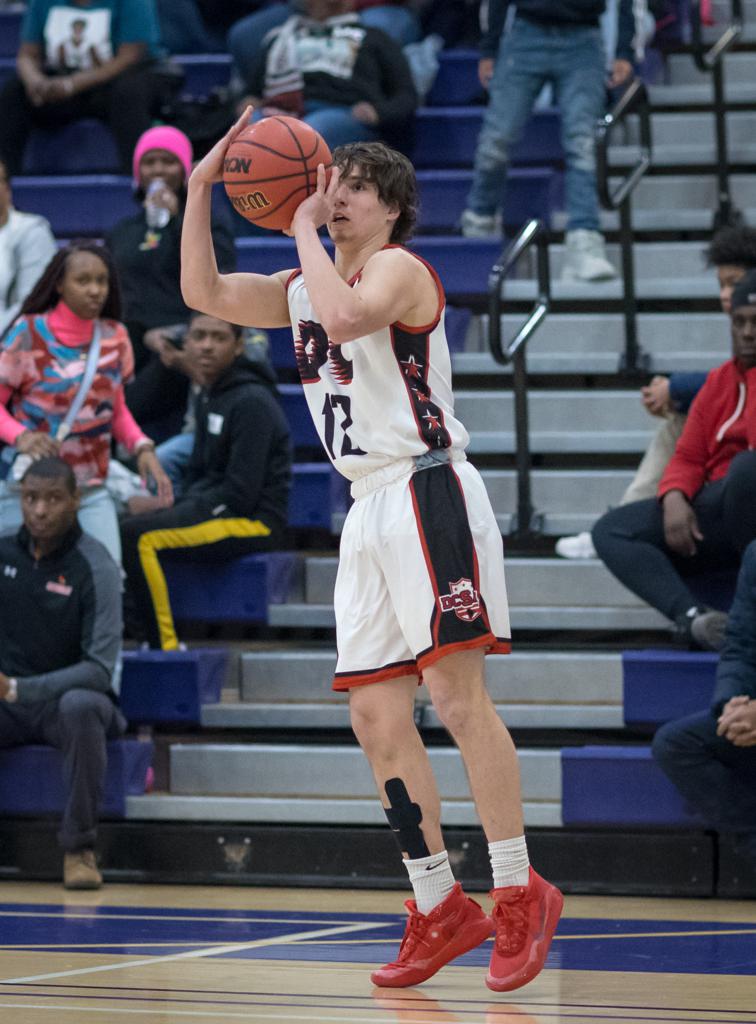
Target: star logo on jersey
x: 432, y: 420
x: 463, y: 599
x: 412, y: 369
x: 310, y: 350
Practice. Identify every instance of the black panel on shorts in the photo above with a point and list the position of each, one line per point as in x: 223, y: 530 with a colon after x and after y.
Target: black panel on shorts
x: 459, y: 612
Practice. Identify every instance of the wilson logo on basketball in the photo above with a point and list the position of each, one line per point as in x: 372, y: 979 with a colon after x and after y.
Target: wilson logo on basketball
x: 463, y: 599
x: 237, y: 164
x: 250, y: 201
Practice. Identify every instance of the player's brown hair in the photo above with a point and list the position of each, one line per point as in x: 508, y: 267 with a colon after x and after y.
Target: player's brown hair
x: 391, y: 173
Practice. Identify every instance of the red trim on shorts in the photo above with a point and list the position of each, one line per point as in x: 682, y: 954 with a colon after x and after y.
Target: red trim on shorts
x: 493, y: 645
x: 428, y: 565
x: 346, y: 680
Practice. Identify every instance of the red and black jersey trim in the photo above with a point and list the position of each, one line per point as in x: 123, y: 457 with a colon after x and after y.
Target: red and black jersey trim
x: 412, y: 353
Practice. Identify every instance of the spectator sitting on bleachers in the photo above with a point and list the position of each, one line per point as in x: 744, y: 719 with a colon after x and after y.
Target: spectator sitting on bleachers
x: 235, y: 495
x: 559, y: 43
x: 246, y: 38
x: 26, y: 247
x: 352, y: 83
x: 66, y: 345
x: 106, y: 74
x: 146, y: 252
x: 60, y: 635
x: 705, y: 514
x: 711, y: 756
x: 732, y: 253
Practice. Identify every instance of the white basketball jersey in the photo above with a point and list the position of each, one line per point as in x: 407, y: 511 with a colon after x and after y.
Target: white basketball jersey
x: 378, y: 398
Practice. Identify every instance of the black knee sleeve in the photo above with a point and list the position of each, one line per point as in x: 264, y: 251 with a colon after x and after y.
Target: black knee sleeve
x: 404, y: 818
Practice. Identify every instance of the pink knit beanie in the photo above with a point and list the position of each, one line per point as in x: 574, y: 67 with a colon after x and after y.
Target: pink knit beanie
x: 163, y: 137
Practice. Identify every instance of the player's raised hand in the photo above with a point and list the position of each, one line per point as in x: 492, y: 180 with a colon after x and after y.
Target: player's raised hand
x: 318, y: 208
x: 210, y: 168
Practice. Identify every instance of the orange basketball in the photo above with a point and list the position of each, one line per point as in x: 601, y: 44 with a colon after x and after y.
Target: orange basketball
x: 270, y: 167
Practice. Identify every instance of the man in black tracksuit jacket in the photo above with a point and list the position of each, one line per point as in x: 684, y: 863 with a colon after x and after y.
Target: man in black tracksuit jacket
x: 235, y: 495
x: 60, y: 636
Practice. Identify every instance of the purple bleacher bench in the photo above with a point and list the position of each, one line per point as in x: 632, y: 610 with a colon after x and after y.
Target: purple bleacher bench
x: 81, y: 147
x: 10, y: 32
x: 235, y: 591
x: 661, y: 685
x: 605, y: 785
x: 463, y: 264
x: 31, y: 778
x: 448, y: 137
x: 317, y: 492
x: 171, y: 686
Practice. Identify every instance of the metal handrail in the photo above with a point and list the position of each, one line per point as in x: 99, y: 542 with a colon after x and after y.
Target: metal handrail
x: 634, y: 100
x: 527, y: 523
x: 706, y: 59
x: 711, y: 61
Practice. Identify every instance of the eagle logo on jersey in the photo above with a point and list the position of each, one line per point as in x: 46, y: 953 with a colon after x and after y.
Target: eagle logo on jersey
x: 463, y: 599
x: 313, y: 350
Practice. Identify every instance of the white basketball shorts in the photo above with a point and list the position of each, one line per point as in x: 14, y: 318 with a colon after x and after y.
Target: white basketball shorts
x: 421, y: 573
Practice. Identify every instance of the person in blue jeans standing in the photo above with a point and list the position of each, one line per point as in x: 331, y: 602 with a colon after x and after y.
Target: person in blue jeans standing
x: 557, y: 42
x: 711, y: 756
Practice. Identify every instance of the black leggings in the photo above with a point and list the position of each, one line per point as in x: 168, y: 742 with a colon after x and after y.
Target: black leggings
x: 630, y: 539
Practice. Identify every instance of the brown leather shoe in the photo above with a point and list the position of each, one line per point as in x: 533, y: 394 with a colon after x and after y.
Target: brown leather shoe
x: 80, y: 870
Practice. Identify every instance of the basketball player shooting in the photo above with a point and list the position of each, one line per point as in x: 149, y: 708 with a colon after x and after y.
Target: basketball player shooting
x: 420, y: 593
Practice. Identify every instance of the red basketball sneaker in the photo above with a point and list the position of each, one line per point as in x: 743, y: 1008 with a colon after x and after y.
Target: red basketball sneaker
x: 525, y: 919
x: 455, y: 926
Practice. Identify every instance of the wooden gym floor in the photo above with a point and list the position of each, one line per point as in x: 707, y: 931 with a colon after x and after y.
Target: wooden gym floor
x: 164, y: 954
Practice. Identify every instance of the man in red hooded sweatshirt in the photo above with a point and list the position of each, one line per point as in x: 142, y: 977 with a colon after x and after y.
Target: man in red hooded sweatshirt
x: 704, y: 514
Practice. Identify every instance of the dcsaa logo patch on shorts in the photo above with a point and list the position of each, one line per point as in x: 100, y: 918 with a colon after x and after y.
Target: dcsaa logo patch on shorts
x: 463, y: 599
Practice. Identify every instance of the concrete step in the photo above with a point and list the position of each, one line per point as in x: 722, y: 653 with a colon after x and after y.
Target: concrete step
x: 292, y: 689
x: 556, y: 582
x: 333, y: 781
x: 327, y: 811
x: 664, y: 287
x: 739, y: 68
x: 569, y: 421
x: 651, y: 259
x: 570, y: 501
x: 522, y: 617
x: 700, y: 93
x: 586, y: 343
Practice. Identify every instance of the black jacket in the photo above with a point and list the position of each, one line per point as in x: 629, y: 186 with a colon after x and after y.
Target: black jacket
x: 558, y: 12
x: 60, y: 617
x: 242, y: 447
x: 149, y: 270
x: 736, y: 672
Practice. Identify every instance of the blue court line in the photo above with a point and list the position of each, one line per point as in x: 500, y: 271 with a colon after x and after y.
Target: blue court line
x: 695, y: 947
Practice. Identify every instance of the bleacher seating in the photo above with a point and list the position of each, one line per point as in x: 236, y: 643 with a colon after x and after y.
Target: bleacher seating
x: 171, y: 686
x: 31, y: 778
x: 587, y: 429
x: 614, y: 785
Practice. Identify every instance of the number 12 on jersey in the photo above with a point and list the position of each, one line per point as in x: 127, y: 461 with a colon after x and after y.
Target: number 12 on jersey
x: 342, y: 404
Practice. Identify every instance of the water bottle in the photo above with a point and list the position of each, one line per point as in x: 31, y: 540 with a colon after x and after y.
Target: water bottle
x: 157, y: 216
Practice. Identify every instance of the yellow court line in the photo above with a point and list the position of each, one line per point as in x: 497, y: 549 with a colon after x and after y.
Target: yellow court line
x: 281, y: 940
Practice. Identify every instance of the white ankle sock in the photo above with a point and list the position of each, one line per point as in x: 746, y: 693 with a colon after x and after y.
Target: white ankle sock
x: 432, y: 880
x: 509, y: 861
